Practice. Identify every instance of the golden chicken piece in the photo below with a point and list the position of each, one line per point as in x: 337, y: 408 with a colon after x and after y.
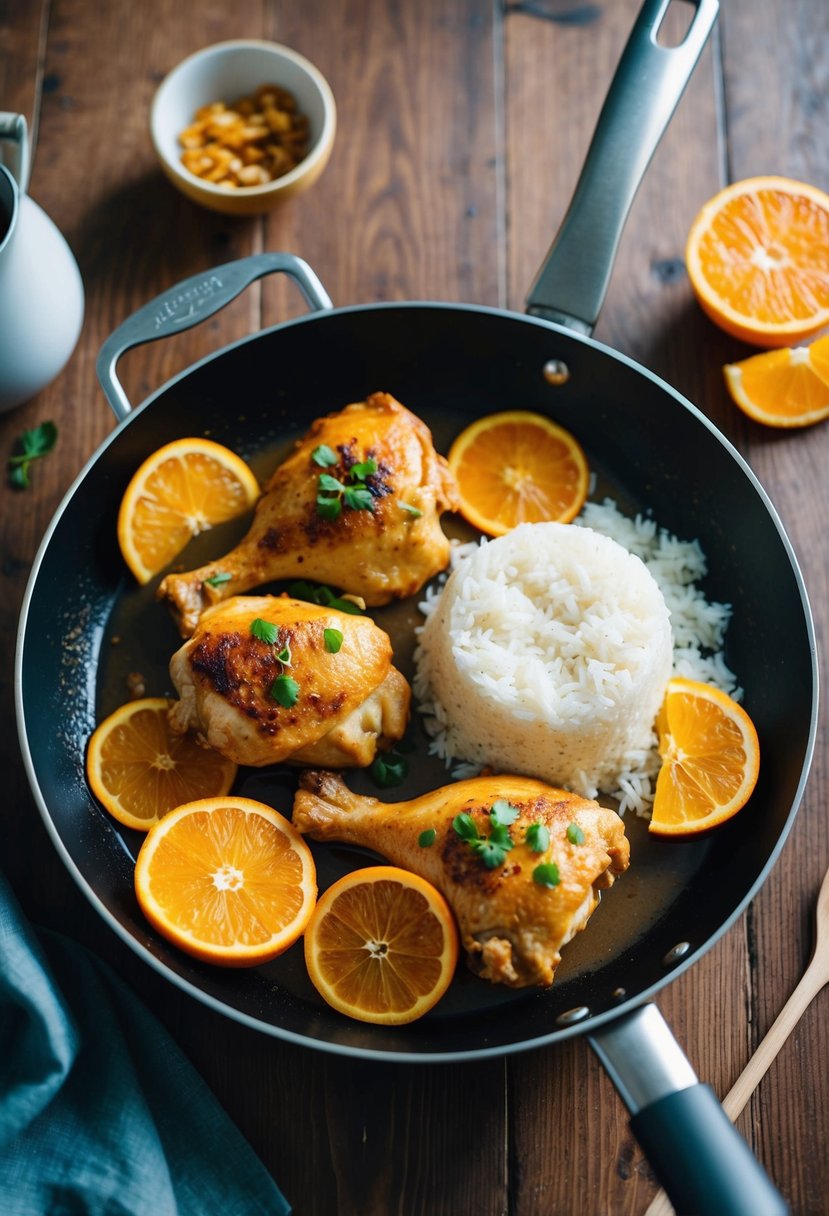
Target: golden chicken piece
x: 266, y: 679
x: 379, y: 537
x: 512, y: 925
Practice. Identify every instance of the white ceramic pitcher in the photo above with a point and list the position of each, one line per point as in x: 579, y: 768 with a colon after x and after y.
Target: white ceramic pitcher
x: 41, y: 293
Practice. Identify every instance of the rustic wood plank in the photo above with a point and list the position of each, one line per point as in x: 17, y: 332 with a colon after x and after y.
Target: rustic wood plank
x: 775, y: 86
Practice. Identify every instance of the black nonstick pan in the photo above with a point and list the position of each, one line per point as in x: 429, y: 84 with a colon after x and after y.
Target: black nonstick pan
x: 85, y: 626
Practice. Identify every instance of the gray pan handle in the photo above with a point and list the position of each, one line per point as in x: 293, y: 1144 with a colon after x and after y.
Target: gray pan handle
x: 193, y: 301
x: 571, y: 285
x: 700, y: 1158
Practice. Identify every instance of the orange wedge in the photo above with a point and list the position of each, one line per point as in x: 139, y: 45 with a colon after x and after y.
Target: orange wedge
x: 139, y: 770
x: 710, y: 759
x: 515, y: 468
x: 784, y: 388
x: 758, y: 260
x: 229, y: 880
x: 381, y: 946
x: 184, y: 488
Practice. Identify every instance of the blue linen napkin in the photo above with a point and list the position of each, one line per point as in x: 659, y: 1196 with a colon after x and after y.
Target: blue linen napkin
x: 100, y: 1112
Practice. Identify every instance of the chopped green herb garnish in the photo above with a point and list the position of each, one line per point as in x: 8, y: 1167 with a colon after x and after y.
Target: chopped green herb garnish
x: 466, y: 827
x: 285, y: 691
x: 389, y: 769
x: 358, y: 498
x: 328, y: 508
x: 333, y: 640
x: 324, y: 456
x: 284, y: 656
x: 547, y: 875
x: 327, y: 482
x: 538, y: 837
x: 217, y: 579
x: 574, y: 834
x: 30, y: 445
x: 407, y: 506
x: 503, y: 813
x: 427, y: 838
x: 324, y: 596
x: 359, y: 472
x: 265, y: 631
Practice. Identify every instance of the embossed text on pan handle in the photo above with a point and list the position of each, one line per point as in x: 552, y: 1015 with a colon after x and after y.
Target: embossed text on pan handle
x: 570, y: 287
x: 192, y: 301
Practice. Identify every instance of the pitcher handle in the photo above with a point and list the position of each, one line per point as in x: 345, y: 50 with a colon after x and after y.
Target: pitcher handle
x: 14, y: 147
x: 192, y: 301
x: 571, y: 285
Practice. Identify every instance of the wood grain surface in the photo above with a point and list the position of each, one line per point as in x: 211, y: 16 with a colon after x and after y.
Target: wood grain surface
x: 462, y: 128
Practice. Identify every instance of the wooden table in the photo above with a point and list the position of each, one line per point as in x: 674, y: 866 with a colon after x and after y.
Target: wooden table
x: 462, y: 128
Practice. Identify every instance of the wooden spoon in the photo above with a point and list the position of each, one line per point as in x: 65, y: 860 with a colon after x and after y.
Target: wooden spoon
x: 813, y: 979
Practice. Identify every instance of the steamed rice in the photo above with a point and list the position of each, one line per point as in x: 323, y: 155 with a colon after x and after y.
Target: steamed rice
x: 548, y: 651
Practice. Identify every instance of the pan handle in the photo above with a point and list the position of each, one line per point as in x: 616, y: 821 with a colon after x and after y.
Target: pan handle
x: 192, y: 301
x: 571, y: 285
x: 699, y: 1156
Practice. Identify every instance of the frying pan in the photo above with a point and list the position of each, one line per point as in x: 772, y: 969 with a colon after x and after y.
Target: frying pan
x: 85, y: 625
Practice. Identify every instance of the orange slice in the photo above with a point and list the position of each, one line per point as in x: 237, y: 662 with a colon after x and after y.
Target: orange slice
x: 381, y: 946
x: 515, y: 468
x: 139, y: 770
x: 229, y: 880
x: 758, y: 260
x: 710, y: 759
x: 184, y: 488
x: 783, y: 388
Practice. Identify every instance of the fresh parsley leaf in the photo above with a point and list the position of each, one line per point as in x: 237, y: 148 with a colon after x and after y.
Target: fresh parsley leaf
x: 359, y: 472
x: 358, y: 498
x: 499, y: 835
x: 264, y: 631
x: 284, y: 656
x: 285, y: 691
x: 538, y: 837
x: 324, y: 456
x: 328, y: 508
x: 547, y: 875
x: 503, y: 813
x: 574, y: 834
x: 491, y: 853
x: 466, y: 827
x: 30, y: 445
x: 333, y: 640
x: 427, y: 838
x: 389, y: 769
x: 323, y: 595
x: 217, y: 579
x: 327, y: 482
x: 407, y: 506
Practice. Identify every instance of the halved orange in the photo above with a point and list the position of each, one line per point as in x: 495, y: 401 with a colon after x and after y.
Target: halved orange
x: 184, y: 488
x: 518, y: 467
x: 710, y: 759
x: 381, y: 946
x: 229, y: 880
x: 783, y: 388
x: 139, y: 770
x: 758, y: 260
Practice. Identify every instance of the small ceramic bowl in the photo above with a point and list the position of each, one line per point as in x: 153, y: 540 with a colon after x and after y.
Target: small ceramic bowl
x: 225, y: 72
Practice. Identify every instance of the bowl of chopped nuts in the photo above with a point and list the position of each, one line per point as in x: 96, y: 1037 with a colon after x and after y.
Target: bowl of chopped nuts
x: 243, y: 125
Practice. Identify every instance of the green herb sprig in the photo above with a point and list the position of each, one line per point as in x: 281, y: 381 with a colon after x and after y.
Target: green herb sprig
x: 284, y: 689
x: 217, y: 579
x: 388, y: 769
x: 323, y: 596
x: 333, y: 495
x: 493, y: 848
x: 30, y: 446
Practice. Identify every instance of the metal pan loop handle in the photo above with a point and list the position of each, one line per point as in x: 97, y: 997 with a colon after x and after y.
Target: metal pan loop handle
x: 192, y: 301
x: 572, y: 283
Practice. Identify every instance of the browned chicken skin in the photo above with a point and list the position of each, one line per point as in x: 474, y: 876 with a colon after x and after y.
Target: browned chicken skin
x: 512, y: 928
x: 383, y: 553
x: 348, y: 702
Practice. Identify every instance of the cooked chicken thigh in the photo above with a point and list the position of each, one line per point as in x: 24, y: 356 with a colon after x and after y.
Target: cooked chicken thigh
x: 266, y: 679
x: 385, y: 541
x: 512, y: 926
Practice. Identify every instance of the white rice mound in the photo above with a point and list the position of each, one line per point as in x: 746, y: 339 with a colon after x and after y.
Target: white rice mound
x: 458, y: 727
x: 547, y: 653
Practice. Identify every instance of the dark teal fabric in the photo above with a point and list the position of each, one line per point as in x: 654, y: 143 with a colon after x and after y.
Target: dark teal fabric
x: 100, y: 1112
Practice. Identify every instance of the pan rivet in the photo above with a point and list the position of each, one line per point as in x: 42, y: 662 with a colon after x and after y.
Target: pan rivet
x: 676, y: 953
x: 573, y: 1015
x: 556, y: 372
